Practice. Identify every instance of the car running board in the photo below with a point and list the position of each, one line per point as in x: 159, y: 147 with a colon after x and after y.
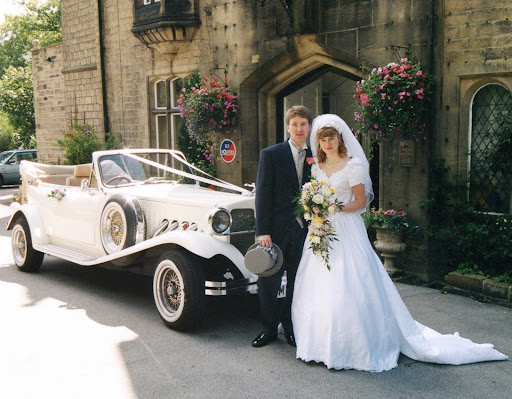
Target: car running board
x: 64, y: 253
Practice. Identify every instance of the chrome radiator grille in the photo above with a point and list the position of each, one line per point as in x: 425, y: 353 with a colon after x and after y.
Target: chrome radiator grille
x: 242, y: 229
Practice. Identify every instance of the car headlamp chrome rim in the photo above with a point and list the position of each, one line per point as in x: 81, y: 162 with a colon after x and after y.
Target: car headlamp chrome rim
x: 220, y: 220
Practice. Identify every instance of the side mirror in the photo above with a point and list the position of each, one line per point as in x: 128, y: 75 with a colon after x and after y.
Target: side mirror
x: 84, y: 185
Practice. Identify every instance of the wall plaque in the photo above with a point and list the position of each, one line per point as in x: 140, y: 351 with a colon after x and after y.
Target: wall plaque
x: 407, y: 153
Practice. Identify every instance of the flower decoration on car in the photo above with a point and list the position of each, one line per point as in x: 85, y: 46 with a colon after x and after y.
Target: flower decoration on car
x: 316, y: 203
x: 394, y: 102
x: 58, y: 194
x: 209, y: 108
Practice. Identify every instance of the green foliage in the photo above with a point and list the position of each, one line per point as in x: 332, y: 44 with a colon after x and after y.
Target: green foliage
x: 504, y: 278
x: 16, y: 101
x: 462, y: 237
x: 6, y: 134
x: 469, y: 268
x: 113, y: 141
x: 200, y: 154
x: 79, y: 144
x: 40, y: 21
x: 394, y: 102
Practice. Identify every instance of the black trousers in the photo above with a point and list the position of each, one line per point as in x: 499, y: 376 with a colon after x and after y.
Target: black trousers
x: 273, y: 310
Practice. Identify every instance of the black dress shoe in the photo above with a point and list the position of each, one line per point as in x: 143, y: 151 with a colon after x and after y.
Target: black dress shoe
x: 290, y: 338
x: 263, y: 339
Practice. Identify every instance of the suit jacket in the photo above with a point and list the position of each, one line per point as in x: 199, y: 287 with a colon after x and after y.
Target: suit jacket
x: 277, y: 184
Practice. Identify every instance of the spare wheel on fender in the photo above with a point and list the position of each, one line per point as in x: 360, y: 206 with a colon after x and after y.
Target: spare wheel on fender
x: 122, y: 224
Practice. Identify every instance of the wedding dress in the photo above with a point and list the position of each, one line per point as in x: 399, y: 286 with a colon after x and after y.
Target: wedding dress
x: 352, y: 317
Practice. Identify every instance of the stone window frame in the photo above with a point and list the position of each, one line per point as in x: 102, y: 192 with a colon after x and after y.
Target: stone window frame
x: 164, y: 113
x: 467, y: 108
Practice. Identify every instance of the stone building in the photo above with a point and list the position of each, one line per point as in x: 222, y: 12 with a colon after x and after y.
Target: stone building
x: 122, y: 62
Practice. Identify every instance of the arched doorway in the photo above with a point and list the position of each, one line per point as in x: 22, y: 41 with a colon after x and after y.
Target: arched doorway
x: 307, y: 73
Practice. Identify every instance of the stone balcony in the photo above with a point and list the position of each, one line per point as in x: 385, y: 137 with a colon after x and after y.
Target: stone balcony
x: 167, y: 25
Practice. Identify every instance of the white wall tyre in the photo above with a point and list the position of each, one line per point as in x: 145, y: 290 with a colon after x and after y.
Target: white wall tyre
x: 27, y: 259
x: 122, y: 224
x: 178, y: 288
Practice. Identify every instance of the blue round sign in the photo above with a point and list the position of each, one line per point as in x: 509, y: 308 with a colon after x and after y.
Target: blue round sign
x: 227, y: 150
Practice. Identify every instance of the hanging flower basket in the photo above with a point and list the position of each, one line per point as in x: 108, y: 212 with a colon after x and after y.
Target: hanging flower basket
x: 209, y: 109
x: 394, y: 102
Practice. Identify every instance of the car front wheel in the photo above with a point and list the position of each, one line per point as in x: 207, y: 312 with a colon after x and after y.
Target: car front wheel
x: 25, y: 256
x: 178, y: 288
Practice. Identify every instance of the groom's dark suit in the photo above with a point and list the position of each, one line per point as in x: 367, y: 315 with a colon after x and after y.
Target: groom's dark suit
x: 277, y: 184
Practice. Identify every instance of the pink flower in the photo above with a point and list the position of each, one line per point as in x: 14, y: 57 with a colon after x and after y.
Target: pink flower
x: 310, y: 160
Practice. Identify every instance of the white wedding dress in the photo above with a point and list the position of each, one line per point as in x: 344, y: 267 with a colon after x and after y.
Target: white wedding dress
x: 352, y: 317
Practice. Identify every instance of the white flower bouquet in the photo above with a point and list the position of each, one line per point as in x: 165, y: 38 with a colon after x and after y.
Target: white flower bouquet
x: 317, y: 203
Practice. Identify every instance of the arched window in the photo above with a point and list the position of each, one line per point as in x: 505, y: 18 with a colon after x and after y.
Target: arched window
x: 490, y: 172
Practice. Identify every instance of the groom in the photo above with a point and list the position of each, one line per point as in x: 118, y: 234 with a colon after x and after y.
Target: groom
x: 283, y: 169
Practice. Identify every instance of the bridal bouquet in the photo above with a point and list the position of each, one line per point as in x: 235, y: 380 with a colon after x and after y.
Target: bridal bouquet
x: 317, y: 203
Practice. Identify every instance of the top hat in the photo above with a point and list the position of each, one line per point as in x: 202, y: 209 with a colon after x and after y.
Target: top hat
x: 260, y: 261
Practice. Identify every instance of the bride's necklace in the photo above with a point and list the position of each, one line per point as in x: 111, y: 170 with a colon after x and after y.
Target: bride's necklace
x: 330, y: 166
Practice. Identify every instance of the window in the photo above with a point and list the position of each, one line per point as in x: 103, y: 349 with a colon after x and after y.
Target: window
x: 490, y: 177
x: 165, y: 118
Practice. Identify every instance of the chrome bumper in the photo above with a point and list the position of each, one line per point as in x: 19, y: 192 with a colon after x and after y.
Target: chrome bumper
x: 230, y: 287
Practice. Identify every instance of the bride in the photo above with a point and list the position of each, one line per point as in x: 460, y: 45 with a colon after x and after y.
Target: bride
x: 352, y: 316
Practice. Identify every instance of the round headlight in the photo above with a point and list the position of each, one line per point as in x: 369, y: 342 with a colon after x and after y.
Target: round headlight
x: 220, y: 220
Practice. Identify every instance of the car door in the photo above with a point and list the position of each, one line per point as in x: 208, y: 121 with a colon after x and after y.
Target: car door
x: 72, y: 221
x: 11, y: 169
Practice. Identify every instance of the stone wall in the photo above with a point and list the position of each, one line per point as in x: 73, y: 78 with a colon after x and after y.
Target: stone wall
x: 49, y: 101
x: 475, y: 41
x: 82, y: 63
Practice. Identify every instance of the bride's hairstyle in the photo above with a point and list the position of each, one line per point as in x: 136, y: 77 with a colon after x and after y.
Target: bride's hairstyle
x: 354, y: 149
x: 328, y: 131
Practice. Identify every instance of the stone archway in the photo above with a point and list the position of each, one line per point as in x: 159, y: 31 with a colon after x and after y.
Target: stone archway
x: 258, y: 91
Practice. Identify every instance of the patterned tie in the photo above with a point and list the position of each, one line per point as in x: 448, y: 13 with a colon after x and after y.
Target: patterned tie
x: 301, y: 157
x: 300, y: 164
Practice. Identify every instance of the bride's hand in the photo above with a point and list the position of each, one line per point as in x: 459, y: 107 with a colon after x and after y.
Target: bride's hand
x: 265, y: 241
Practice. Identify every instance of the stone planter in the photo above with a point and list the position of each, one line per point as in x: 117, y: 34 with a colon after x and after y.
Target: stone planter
x: 389, y: 243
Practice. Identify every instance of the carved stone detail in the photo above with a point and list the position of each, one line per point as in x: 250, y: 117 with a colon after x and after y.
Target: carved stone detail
x: 389, y: 243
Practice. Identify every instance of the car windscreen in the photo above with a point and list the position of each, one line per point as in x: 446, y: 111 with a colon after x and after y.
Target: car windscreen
x: 121, y: 169
x: 5, y: 155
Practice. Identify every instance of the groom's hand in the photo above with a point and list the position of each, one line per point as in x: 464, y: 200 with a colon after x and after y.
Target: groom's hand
x: 265, y: 241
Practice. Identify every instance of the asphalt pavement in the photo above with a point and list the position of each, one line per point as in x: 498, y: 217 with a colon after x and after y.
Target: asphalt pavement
x: 85, y: 332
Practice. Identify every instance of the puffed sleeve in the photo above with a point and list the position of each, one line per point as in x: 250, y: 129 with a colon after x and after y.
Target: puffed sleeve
x: 314, y: 170
x: 355, y: 172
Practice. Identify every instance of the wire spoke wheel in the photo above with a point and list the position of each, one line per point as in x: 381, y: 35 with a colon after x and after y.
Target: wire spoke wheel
x: 27, y: 259
x: 19, y: 245
x: 178, y: 288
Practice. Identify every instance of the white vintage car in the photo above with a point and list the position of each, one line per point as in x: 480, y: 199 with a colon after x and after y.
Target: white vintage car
x: 143, y: 211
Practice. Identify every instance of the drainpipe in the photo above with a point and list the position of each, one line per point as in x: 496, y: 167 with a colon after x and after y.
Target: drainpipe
x: 106, y: 122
